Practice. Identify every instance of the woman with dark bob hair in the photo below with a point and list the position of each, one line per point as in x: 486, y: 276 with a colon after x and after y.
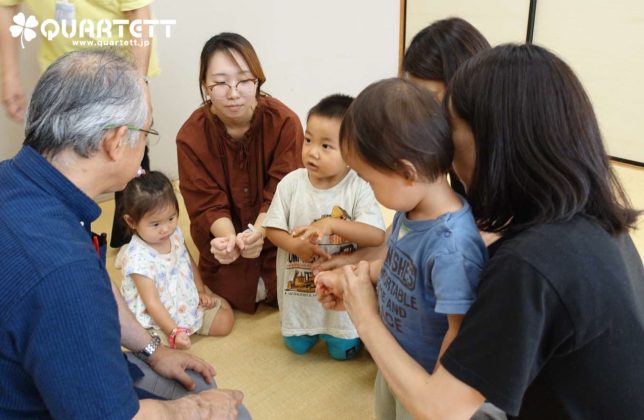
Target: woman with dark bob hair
x: 434, y: 55
x: 557, y: 328
x: 232, y: 152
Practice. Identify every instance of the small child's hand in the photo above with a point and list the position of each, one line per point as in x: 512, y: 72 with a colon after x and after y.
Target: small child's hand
x: 206, y: 300
x: 329, y: 290
x: 315, y: 231
x: 308, y: 252
x: 182, y: 341
x: 336, y: 261
x: 308, y: 233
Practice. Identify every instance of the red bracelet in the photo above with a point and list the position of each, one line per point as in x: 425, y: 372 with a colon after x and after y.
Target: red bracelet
x: 173, y: 335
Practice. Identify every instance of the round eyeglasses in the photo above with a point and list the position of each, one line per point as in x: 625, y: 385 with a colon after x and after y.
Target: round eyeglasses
x: 244, y: 87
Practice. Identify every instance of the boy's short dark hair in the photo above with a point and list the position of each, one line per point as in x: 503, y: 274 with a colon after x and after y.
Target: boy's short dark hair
x: 333, y: 106
x: 394, y: 120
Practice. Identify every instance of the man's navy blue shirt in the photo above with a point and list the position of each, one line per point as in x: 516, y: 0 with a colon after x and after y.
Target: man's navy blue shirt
x: 59, y: 330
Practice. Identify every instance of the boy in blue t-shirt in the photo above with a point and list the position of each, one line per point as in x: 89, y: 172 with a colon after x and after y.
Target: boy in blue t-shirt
x: 397, y: 138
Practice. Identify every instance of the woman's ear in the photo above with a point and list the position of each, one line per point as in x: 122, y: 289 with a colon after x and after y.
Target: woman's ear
x: 408, y: 170
x: 205, y: 92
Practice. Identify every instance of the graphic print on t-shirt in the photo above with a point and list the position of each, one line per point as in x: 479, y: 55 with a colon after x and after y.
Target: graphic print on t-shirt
x: 299, y: 275
x: 396, y: 289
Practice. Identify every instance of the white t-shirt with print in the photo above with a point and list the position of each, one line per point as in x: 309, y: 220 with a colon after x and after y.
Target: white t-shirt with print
x: 172, y: 276
x: 298, y: 203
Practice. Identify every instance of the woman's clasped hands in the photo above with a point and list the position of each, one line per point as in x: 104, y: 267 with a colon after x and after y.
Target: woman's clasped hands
x: 247, y: 244
x: 348, y: 288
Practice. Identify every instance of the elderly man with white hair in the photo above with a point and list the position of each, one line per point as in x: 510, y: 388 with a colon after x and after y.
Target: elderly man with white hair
x: 62, y: 322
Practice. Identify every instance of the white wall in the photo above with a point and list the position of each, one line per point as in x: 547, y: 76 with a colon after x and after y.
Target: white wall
x: 602, y: 41
x: 309, y: 49
x: 499, y: 21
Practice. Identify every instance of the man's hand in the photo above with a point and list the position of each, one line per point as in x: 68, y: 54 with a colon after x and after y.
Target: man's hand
x: 225, y: 249
x: 218, y: 404
x: 172, y: 364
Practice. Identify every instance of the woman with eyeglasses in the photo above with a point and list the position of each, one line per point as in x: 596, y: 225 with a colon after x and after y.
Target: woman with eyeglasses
x: 232, y: 152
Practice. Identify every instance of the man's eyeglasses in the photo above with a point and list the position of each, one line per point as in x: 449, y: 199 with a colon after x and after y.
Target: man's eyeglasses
x: 147, y: 132
x: 245, y: 87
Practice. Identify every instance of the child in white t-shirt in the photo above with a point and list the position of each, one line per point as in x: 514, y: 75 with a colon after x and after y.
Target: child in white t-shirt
x: 317, y: 211
x: 161, y: 283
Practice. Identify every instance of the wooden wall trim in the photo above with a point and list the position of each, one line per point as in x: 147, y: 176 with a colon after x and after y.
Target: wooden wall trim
x: 403, y: 29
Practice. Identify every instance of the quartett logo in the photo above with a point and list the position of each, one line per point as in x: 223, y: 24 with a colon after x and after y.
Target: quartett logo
x: 25, y: 28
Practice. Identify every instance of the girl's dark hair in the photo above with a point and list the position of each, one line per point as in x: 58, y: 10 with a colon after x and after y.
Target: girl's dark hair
x: 539, y: 151
x: 438, y: 50
x: 227, y: 41
x: 394, y: 119
x: 332, y: 106
x: 148, y: 192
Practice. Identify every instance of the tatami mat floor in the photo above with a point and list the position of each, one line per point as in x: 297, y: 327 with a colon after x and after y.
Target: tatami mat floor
x: 277, y: 384
x: 281, y: 385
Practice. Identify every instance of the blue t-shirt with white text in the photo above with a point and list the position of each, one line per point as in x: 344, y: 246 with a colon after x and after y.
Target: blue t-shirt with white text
x: 431, y: 270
